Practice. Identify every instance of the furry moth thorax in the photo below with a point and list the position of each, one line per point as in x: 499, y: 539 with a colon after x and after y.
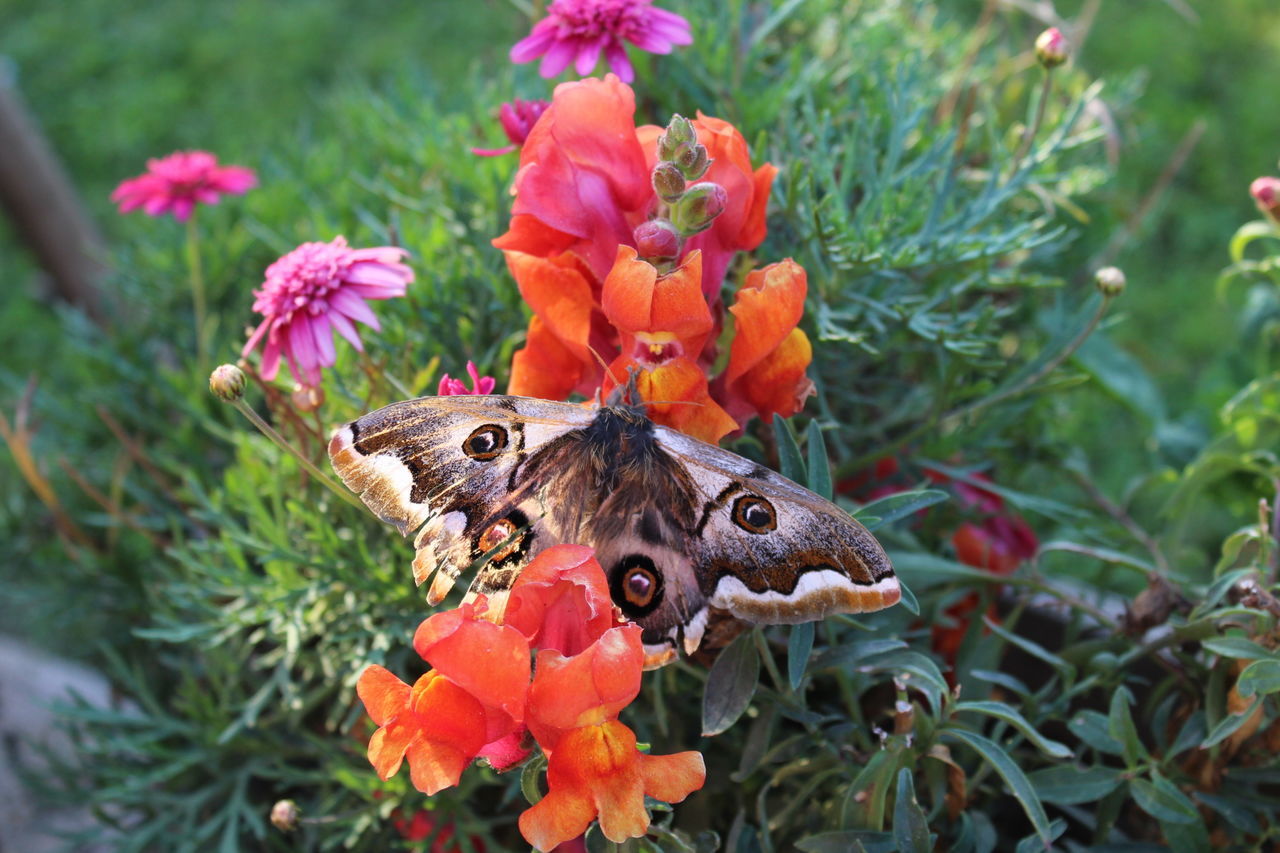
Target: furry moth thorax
x: 685, y: 531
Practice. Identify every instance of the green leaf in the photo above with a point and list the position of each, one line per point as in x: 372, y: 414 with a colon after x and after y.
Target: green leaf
x: 910, y: 827
x: 1068, y: 785
x: 1246, y: 234
x: 1161, y: 799
x: 1236, y: 813
x: 730, y: 685
x: 799, y: 646
x: 819, y: 466
x: 853, y: 653
x: 790, y: 462
x: 1035, y: 844
x: 1190, y: 735
x: 1121, y: 728
x: 1228, y: 725
x: 1011, y: 773
x: 1001, y: 711
x: 848, y: 841
x: 1238, y: 647
x: 908, y: 601
x: 889, y: 509
x: 531, y: 778
x: 1122, y: 375
x: 1261, y: 677
x: 1064, y: 668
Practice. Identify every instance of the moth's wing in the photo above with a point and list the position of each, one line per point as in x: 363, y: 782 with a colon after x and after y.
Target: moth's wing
x: 770, y: 551
x: 454, y: 467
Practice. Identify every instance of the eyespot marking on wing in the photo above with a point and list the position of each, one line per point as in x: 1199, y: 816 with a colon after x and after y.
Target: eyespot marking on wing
x: 485, y: 443
x: 754, y: 514
x: 636, y: 585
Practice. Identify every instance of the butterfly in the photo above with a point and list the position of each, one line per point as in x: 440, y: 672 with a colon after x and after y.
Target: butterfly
x: 686, y: 532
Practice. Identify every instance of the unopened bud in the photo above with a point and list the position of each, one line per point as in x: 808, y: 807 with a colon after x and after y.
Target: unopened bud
x: 680, y: 132
x: 284, y: 815
x: 306, y: 398
x: 668, y: 183
x: 227, y: 382
x: 1051, y: 48
x: 1266, y: 194
x: 1110, y: 281
x: 693, y: 162
x: 657, y: 240
x: 699, y: 207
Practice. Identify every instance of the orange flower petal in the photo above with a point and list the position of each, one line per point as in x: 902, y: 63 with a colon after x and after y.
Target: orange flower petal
x: 544, y: 367
x: 777, y: 385
x: 560, y: 294
x: 768, y: 306
x: 388, y: 745
x: 671, y: 778
x: 677, y: 396
x: 636, y: 299
x: 556, y: 818
x: 488, y: 661
x: 561, y: 600
x: 434, y: 765
x: 382, y: 693
x: 588, y: 688
x: 531, y: 236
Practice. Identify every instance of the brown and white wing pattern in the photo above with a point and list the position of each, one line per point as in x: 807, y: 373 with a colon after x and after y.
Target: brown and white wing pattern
x: 456, y: 467
x: 770, y: 551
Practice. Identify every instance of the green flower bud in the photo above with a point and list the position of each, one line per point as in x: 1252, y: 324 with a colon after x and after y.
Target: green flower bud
x: 680, y: 131
x: 1110, y: 281
x: 668, y: 182
x: 227, y: 382
x: 698, y: 208
x: 1051, y: 48
x: 284, y: 815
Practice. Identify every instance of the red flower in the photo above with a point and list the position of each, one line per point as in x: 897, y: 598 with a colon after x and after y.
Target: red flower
x: 424, y: 825
x: 594, y: 769
x: 479, y: 384
x: 999, y: 544
x: 561, y: 600
x: 177, y: 183
x: 517, y: 118
x: 450, y: 714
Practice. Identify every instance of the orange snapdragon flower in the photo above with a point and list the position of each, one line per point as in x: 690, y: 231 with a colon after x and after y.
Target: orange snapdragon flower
x: 582, y: 190
x: 450, y: 714
x: 594, y: 769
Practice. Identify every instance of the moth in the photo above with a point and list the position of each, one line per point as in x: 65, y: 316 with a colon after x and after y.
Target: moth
x: 686, y: 531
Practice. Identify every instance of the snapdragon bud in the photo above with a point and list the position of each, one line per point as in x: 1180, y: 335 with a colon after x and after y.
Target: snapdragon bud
x: 1110, y: 281
x: 227, y: 382
x: 698, y: 208
x: 1266, y: 194
x: 668, y: 182
x: 657, y: 240
x: 680, y: 133
x: 1051, y: 48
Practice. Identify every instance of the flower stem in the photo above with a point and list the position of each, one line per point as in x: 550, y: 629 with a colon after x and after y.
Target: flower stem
x: 197, y: 292
x: 1027, y: 138
x: 279, y: 440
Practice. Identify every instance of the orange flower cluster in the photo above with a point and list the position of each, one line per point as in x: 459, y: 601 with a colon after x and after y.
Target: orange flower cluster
x: 583, y: 188
x: 477, y: 701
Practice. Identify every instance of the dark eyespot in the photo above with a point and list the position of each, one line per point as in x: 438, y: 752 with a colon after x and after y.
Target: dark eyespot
x: 636, y: 585
x: 485, y: 443
x: 506, y: 536
x: 754, y: 514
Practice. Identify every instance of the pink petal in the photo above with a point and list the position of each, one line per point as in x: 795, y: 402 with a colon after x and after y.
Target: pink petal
x: 302, y: 346
x: 379, y: 275
x: 493, y: 152
x: 588, y: 56
x: 618, y: 61
x: 535, y: 44
x: 255, y: 337
x: 343, y: 327
x: 557, y: 58
x: 270, y: 359
x: 353, y: 306
x: 182, y: 208
x: 323, y: 335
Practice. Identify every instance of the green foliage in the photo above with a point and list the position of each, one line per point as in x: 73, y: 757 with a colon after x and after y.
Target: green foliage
x: 234, y: 602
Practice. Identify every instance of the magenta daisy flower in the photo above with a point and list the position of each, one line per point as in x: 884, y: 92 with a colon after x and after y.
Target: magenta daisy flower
x: 316, y: 290
x: 577, y: 31
x: 479, y: 384
x: 179, y: 182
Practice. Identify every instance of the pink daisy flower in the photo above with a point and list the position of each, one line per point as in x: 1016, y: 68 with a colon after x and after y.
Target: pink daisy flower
x: 577, y: 31
x: 518, y: 118
x: 179, y: 182
x: 479, y: 384
x: 314, y: 291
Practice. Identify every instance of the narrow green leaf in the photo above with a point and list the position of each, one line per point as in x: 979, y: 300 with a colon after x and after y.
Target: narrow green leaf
x: 819, y: 466
x: 1001, y: 711
x: 1068, y: 785
x: 1238, y: 647
x: 853, y: 653
x: 1012, y: 774
x: 1161, y: 799
x: 1035, y: 844
x: 790, y: 462
x: 531, y: 779
x: 1121, y: 728
x: 730, y: 685
x: 799, y: 646
x: 1066, y: 669
x: 1235, y: 812
x: 848, y: 841
x: 1228, y: 725
x: 910, y: 827
x: 1190, y: 735
x: 1246, y: 234
x: 889, y: 509
x: 1261, y: 677
x: 908, y: 598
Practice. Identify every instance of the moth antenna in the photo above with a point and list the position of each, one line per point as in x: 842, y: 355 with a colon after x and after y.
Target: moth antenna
x: 605, y: 365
